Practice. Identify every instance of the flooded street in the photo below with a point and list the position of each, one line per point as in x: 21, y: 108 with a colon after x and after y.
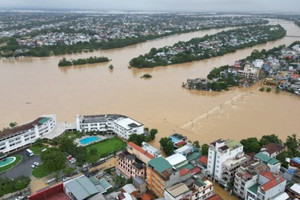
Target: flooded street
x: 35, y: 86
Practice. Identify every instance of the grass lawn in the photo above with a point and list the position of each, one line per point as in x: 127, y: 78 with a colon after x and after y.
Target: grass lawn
x: 40, y: 172
x: 37, y: 150
x: 11, y: 165
x: 107, y: 147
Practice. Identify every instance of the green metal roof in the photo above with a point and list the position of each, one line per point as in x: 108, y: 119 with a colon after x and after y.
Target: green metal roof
x: 193, y: 156
x: 43, y: 120
x: 254, y: 188
x: 263, y: 157
x: 273, y: 161
x: 232, y: 144
x: 201, y: 182
x: 188, y: 166
x: 160, y: 164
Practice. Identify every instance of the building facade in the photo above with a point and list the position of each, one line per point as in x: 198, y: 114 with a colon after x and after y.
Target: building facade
x: 121, y: 125
x: 23, y: 135
x: 130, y: 165
x: 220, y: 151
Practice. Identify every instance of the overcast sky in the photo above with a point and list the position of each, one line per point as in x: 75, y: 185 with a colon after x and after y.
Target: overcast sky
x: 161, y: 5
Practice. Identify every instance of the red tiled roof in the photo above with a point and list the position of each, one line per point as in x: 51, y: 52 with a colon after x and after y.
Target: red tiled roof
x: 203, y: 159
x: 272, y: 148
x: 138, y: 148
x: 195, y: 170
x: 147, y: 196
x: 183, y: 172
x: 181, y: 143
x: 268, y: 175
x: 272, y: 183
x: 214, y: 197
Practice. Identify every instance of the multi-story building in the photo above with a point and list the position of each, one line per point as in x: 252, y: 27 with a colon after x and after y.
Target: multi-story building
x: 121, y: 125
x: 247, y: 176
x: 23, y: 135
x: 231, y: 165
x: 249, y: 73
x: 268, y: 186
x: 177, y: 192
x: 130, y: 165
x: 220, y: 151
x: 161, y: 175
x: 177, y: 160
x: 202, y: 189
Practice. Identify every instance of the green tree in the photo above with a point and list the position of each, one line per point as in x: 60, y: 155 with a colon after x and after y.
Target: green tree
x: 167, y: 145
x: 267, y: 139
x: 204, y: 149
x: 196, y: 144
x: 251, y: 145
x: 12, y: 124
x: 292, y: 143
x: 53, y: 159
x: 137, y: 139
x: 66, y: 145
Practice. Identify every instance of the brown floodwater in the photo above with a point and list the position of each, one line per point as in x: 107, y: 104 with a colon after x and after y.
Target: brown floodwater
x: 35, y: 86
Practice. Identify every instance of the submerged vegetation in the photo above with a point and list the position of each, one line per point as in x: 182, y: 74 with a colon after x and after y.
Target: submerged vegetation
x: 81, y: 61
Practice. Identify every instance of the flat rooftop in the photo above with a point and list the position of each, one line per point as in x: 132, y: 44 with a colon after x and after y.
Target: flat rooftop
x: 178, y: 189
x: 127, y: 123
x: 233, y: 144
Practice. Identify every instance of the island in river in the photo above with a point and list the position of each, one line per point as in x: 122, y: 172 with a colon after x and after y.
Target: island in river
x: 82, y: 61
x: 209, y: 46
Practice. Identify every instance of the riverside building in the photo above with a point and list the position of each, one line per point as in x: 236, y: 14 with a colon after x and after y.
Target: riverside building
x: 23, y: 135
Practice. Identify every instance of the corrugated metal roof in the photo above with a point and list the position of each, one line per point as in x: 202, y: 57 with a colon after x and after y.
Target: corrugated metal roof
x: 81, y: 187
x: 160, y: 164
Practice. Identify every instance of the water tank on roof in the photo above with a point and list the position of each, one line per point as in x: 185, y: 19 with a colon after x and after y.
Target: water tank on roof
x: 290, y: 171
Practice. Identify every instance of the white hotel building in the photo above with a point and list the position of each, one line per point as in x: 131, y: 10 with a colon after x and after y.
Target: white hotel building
x: 23, y: 135
x: 121, y: 125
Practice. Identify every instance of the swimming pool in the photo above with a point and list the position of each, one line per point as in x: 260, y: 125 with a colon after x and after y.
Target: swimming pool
x: 7, y: 161
x: 88, y: 140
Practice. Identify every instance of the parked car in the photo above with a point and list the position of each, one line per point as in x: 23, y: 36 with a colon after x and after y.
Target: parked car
x: 36, y: 164
x: 73, y: 160
x: 32, y: 166
x: 19, y: 198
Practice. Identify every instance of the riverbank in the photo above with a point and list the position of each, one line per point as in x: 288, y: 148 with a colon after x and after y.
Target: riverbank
x: 160, y: 102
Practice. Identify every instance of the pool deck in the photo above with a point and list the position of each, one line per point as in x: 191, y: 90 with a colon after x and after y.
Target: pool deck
x: 77, y: 141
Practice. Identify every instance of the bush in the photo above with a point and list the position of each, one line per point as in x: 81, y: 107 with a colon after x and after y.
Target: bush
x: 262, y: 89
x: 268, y: 89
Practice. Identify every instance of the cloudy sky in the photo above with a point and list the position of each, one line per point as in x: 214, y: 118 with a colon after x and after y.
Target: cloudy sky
x: 161, y: 5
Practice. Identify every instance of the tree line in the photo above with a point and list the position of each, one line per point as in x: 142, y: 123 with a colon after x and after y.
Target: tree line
x: 81, y: 61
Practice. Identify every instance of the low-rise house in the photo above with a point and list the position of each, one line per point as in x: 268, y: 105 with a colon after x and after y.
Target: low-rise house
x: 139, y: 152
x: 272, y: 149
x: 140, y: 184
x: 130, y: 189
x: 150, y: 149
x: 295, y: 163
x: 177, y: 160
x: 272, y: 163
x: 177, y: 192
x: 294, y: 191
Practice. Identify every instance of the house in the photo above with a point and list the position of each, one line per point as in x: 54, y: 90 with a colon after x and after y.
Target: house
x: 80, y: 188
x: 295, y: 162
x: 185, y: 150
x: 150, y: 149
x: 272, y: 149
x: 130, y: 189
x: 139, y: 152
x: 177, y: 160
x: 140, y: 184
x: 177, y: 192
x: 294, y: 191
x: 272, y: 163
x: 202, y: 189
